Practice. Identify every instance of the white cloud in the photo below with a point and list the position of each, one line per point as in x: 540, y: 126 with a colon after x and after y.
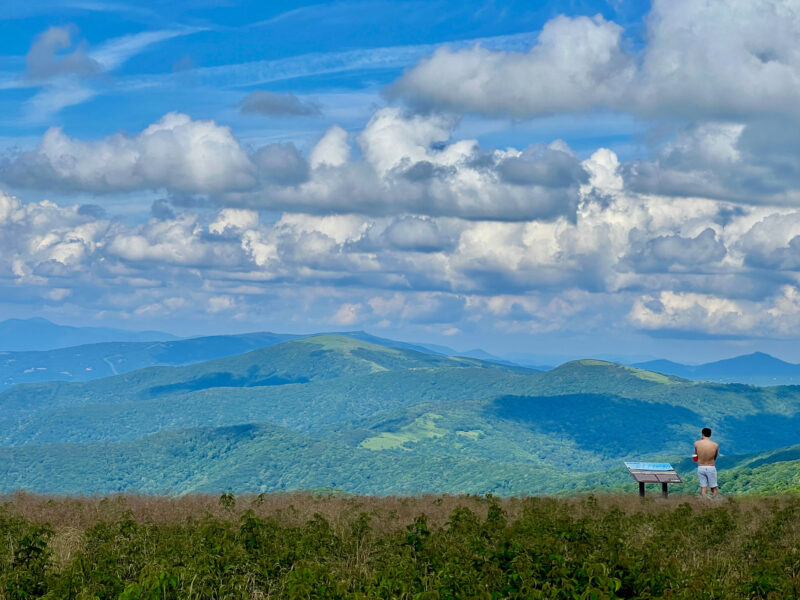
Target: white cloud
x: 332, y: 149
x: 670, y: 263
x: 577, y: 64
x: 175, y: 242
x: 220, y: 303
x: 176, y: 153
x: 391, y: 139
x: 233, y: 219
x: 408, y: 166
x: 347, y: 314
x: 708, y: 315
x: 716, y: 59
x: 720, y: 58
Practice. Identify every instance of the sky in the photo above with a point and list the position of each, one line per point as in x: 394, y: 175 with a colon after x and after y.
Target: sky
x: 604, y: 178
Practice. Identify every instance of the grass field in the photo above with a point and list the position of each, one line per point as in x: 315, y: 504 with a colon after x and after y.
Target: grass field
x: 323, y: 546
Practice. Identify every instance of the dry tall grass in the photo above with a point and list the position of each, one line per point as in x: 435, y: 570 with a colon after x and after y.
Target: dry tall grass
x: 71, y: 515
x: 745, y: 545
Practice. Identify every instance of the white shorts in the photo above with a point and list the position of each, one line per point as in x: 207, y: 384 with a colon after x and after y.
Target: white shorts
x: 707, y: 476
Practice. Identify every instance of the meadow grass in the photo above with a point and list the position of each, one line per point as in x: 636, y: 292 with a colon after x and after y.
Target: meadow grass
x: 337, y: 546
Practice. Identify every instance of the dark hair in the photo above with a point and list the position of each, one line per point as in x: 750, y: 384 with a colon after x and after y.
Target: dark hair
x: 706, y: 432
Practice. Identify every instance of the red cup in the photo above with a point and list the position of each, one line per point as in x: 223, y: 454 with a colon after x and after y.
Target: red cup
x: 694, y: 457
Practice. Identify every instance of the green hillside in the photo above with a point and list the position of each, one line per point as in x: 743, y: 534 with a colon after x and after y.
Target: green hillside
x: 301, y: 407
x: 305, y: 360
x: 259, y: 458
x: 337, y: 412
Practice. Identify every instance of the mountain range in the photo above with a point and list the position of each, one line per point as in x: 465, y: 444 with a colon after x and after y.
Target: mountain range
x: 757, y: 368
x: 40, y: 334
x: 338, y: 412
x: 86, y: 362
x: 75, y: 360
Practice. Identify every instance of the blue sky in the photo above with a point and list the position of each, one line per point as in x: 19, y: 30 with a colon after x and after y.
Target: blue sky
x: 557, y: 178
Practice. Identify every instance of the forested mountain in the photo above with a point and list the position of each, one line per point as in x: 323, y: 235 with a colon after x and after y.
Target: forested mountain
x: 331, y: 411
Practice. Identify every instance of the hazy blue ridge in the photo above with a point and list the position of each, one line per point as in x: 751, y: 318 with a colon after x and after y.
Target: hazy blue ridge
x: 757, y: 368
x: 40, y: 334
x: 93, y: 361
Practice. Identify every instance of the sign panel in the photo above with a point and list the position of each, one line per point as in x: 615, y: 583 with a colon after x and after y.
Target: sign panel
x: 651, y: 472
x: 649, y: 466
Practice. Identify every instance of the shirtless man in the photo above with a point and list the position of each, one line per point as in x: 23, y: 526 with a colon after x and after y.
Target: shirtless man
x: 707, y: 453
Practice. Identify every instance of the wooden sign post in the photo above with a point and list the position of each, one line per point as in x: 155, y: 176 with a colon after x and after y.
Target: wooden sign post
x: 645, y: 472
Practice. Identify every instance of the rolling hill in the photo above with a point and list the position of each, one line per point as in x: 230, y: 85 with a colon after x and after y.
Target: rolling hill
x: 338, y: 412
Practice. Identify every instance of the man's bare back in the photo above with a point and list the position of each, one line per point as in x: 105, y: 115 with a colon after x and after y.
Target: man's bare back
x: 707, y: 452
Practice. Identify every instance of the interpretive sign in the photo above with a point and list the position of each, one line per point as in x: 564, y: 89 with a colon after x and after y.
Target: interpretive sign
x: 651, y: 472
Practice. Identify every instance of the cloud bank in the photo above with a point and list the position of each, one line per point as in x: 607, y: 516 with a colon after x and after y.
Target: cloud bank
x: 402, y: 222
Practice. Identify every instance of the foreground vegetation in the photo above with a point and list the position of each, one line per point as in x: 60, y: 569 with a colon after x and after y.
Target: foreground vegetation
x: 305, y: 546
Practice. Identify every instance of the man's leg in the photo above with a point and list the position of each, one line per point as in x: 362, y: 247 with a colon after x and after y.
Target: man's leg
x: 712, y: 481
x: 702, y: 479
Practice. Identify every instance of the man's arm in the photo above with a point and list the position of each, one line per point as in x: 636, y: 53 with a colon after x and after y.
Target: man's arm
x: 716, y: 452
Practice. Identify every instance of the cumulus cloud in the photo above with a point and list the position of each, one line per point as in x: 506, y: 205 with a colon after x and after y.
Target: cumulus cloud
x: 773, y: 243
x: 675, y: 252
x: 281, y: 164
x: 181, y: 241
x: 666, y: 263
x: 175, y: 152
x: 347, y: 314
x: 43, y: 239
x: 46, y: 58
x: 753, y: 163
x: 332, y: 149
x: 234, y: 220
x: 720, y: 59
x: 699, y: 315
x: 409, y: 164
x: 272, y: 104
x: 576, y: 64
x: 716, y: 60
x: 416, y: 234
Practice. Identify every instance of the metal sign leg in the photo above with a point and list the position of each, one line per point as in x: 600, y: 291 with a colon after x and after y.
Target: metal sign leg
x: 641, y: 489
x: 664, y: 490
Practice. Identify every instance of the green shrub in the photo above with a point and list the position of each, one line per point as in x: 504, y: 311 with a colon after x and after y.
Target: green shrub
x: 546, y: 549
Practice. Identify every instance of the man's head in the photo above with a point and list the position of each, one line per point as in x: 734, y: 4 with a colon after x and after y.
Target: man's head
x: 706, y: 432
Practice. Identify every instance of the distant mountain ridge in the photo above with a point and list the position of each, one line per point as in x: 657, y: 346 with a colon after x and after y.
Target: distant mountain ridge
x: 757, y: 368
x: 93, y: 361
x: 18, y: 335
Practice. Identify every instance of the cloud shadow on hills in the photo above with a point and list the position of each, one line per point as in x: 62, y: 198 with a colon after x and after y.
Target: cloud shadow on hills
x: 605, y: 424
